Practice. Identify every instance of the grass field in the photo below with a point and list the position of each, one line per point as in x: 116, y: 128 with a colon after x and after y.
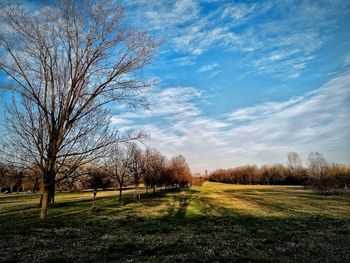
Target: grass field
x: 212, y: 223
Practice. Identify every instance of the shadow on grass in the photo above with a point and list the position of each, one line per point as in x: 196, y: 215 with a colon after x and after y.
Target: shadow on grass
x: 171, y: 236
x: 296, y: 203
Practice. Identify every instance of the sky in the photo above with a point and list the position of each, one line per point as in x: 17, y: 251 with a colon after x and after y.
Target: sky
x: 245, y: 82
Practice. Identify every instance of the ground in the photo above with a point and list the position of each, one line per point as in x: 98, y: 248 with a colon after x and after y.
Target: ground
x: 212, y: 223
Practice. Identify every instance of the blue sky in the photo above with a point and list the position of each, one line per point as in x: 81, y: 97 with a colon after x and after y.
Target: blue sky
x: 244, y: 82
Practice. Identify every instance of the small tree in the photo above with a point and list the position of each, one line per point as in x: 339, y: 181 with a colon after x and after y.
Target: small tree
x: 181, y: 173
x: 154, y: 164
x: 135, y: 164
x: 117, y: 167
x: 317, y: 169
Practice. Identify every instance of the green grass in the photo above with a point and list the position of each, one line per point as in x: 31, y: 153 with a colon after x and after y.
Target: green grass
x: 212, y: 223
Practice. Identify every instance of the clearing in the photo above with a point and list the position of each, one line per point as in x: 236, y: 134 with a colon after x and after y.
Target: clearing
x: 212, y: 223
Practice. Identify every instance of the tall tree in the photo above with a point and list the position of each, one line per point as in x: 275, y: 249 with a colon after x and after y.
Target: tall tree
x: 64, y: 63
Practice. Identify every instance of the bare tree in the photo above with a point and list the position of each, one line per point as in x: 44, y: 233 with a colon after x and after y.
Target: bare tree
x: 295, y: 166
x: 135, y: 164
x: 97, y: 177
x: 154, y: 164
x: 317, y: 170
x: 117, y: 167
x: 32, y: 179
x: 180, y: 170
x: 317, y: 165
x: 3, y: 171
x: 64, y: 63
x: 294, y: 160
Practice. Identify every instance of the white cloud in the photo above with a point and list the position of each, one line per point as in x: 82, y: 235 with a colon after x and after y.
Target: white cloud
x: 117, y: 121
x: 277, y: 39
x: 238, y: 11
x: 207, y: 68
x: 201, y: 36
x: 259, y: 134
x: 163, y: 15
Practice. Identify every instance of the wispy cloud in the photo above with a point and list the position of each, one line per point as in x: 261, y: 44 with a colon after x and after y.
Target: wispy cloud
x: 207, y: 68
x: 240, y: 12
x: 274, y: 38
x: 259, y: 134
x: 163, y: 15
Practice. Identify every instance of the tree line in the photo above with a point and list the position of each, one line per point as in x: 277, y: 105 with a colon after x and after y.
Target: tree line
x: 124, y: 166
x: 321, y: 176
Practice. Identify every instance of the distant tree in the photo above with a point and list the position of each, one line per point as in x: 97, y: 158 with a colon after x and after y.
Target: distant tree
x: 154, y: 164
x: 118, y: 166
x: 324, y: 178
x: 64, y: 63
x: 294, y: 160
x: 2, y: 174
x: 181, y: 173
x: 317, y: 165
x: 33, y: 179
x: 98, y: 178
x: 135, y: 164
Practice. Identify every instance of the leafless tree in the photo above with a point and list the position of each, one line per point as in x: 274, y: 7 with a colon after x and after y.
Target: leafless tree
x: 180, y: 170
x: 96, y: 177
x: 3, y: 175
x: 294, y: 160
x: 64, y: 63
x: 117, y: 166
x: 154, y: 163
x: 3, y: 172
x: 317, y: 171
x: 32, y: 179
x: 294, y: 164
x: 135, y: 164
x: 317, y: 165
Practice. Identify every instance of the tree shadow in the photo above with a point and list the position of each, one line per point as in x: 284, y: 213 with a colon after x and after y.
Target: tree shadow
x: 178, y: 204
x: 216, y: 234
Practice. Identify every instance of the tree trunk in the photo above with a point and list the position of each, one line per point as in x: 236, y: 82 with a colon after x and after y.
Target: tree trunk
x: 51, y: 192
x: 44, y: 202
x: 154, y: 189
x: 120, y: 193
x: 94, y: 197
x: 48, y: 192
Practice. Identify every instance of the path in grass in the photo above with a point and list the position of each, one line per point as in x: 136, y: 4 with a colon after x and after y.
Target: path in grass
x: 212, y: 223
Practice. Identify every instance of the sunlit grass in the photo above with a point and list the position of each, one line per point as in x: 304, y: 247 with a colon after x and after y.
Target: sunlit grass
x: 271, y: 201
x: 21, y: 202
x: 215, y: 222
